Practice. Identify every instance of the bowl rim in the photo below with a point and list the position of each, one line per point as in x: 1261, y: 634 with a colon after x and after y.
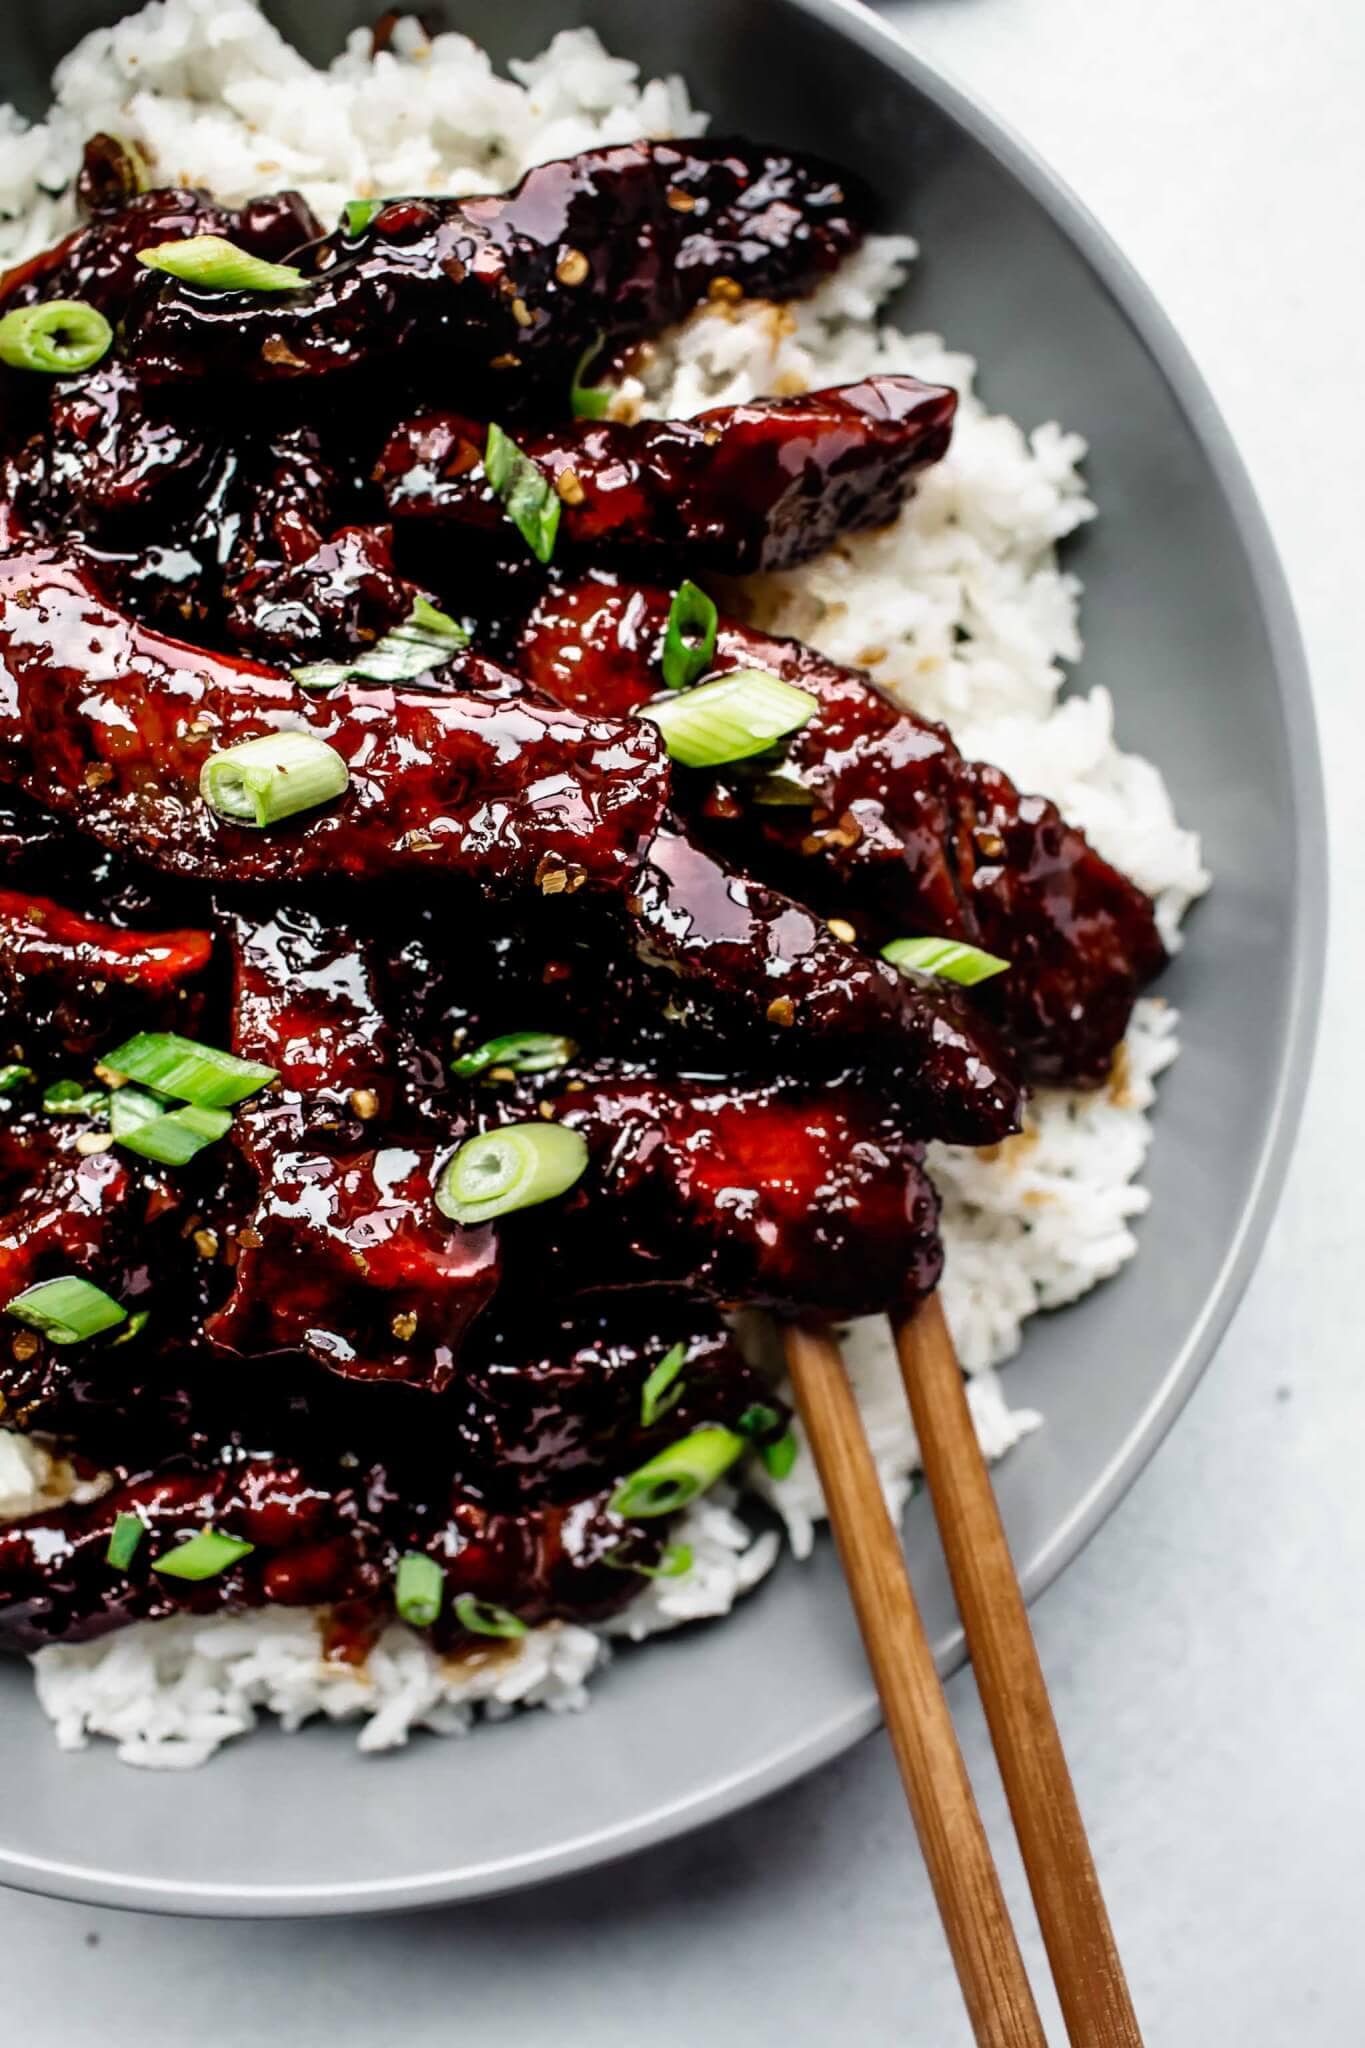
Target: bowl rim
x: 819, y: 1745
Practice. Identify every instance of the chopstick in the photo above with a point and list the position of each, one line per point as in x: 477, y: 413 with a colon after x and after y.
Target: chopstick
x: 1047, y: 1820
x: 961, y: 1869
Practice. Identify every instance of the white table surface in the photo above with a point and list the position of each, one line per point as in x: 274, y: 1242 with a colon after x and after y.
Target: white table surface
x: 1207, y: 1652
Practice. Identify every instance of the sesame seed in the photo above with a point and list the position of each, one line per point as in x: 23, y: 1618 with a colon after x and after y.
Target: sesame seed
x: 781, y: 1010
x: 97, y: 774
x: 364, y: 1102
x: 572, y: 267
x: 25, y: 1344
x: 503, y: 362
x: 273, y: 350
x: 569, y: 487
x: 842, y: 929
x: 521, y: 312
x: 206, y: 1243
x: 725, y: 288
x: 249, y: 1237
x: 404, y: 1325
x: 680, y: 201
x: 91, y: 1142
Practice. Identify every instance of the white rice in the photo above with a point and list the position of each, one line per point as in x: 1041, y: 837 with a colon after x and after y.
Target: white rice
x: 959, y: 609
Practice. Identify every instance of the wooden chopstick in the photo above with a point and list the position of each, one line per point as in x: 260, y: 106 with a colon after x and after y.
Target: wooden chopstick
x: 1061, y: 1871
x: 975, y: 1918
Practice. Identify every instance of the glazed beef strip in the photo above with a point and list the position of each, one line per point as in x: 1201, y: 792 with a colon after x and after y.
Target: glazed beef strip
x: 782, y: 1195
x: 900, y: 836
x: 109, y: 724
x: 153, y: 1238
x: 507, y: 292
x: 742, y: 487
x: 69, y: 983
x: 775, y: 1194
x: 319, y: 1535
x: 345, y: 1257
x: 98, y: 261
x: 741, y: 959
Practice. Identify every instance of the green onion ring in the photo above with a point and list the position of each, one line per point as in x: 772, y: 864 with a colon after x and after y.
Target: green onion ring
x: 676, y: 1476
x: 204, y: 1075
x: 217, y: 265
x: 690, y: 637
x: 66, y: 1310
x: 950, y: 959
x: 512, y: 1168
x: 263, y: 781
x: 202, y: 1556
x: 482, y: 1618
x: 729, y: 719
x: 58, y: 336
x: 419, y: 1589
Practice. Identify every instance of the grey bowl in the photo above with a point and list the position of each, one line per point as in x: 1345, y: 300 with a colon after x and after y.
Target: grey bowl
x: 1188, y: 624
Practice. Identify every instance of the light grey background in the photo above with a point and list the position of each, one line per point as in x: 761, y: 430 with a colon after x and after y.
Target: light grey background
x: 1207, y: 1653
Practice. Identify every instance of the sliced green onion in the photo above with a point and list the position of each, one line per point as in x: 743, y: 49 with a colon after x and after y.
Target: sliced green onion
x: 127, y: 1532
x: 779, y: 1457
x: 202, y: 1556
x: 758, y: 1419
x: 675, y: 1561
x: 528, y: 495
x: 524, y: 1052
x: 143, y: 1123
x: 137, y: 1323
x: 358, y: 213
x: 13, y: 1078
x: 182, y: 1067
x: 690, y: 640
x: 676, y: 1476
x: 66, y: 1311
x: 72, y: 1098
x: 661, y: 1390
x: 217, y: 265
x: 419, y: 1588
x: 426, y: 638
x: 57, y: 336
x: 948, y: 958
x: 513, y: 1168
x: 114, y: 169
x: 482, y: 1618
x: 783, y: 791
x: 266, y: 780
x: 738, y: 715
x: 589, y: 401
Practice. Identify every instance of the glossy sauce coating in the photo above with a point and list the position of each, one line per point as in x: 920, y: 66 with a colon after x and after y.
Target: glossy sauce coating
x: 319, y: 1537
x: 328, y: 1367
x: 508, y: 291
x: 750, y: 957
x: 66, y: 980
x: 900, y: 836
x: 738, y: 488
x: 111, y: 724
x: 779, y: 1196
x: 98, y: 262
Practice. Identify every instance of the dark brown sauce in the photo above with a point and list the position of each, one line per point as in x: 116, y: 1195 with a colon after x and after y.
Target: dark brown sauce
x: 316, y: 1360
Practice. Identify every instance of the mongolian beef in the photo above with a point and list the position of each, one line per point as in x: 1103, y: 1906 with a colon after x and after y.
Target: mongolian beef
x: 447, y: 962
